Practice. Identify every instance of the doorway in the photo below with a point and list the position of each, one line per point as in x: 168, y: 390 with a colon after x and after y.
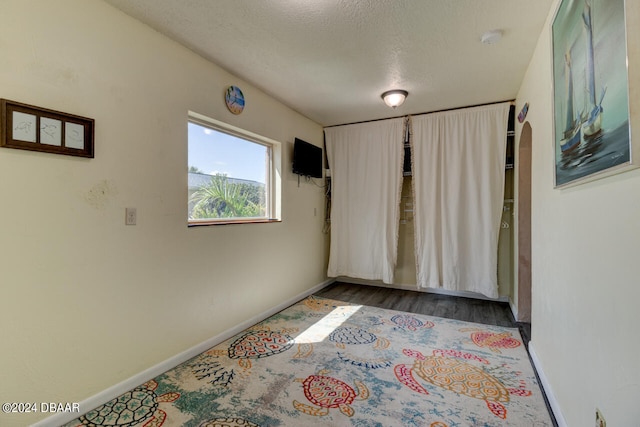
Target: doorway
x: 524, y: 225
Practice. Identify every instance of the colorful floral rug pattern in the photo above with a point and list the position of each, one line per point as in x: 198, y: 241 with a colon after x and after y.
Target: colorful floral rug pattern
x: 324, y: 362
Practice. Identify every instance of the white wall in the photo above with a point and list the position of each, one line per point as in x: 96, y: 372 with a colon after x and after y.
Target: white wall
x: 87, y: 301
x: 585, y: 263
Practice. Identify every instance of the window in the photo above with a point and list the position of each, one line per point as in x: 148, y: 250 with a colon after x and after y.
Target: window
x: 230, y: 174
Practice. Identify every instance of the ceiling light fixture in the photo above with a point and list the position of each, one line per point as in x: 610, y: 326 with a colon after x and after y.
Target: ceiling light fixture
x: 394, y: 98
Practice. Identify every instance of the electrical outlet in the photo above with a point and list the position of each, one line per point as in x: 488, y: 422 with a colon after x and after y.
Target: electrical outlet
x: 600, y: 422
x: 130, y: 216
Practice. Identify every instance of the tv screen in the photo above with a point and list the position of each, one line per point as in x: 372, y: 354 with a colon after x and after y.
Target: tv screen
x: 307, y: 159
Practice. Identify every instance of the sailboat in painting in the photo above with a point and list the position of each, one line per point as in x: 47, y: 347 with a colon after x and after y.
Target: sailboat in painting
x: 571, y: 134
x: 592, y: 119
x: 588, y: 124
x: 589, y: 43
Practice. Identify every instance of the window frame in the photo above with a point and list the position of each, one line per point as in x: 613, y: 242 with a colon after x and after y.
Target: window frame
x: 272, y: 176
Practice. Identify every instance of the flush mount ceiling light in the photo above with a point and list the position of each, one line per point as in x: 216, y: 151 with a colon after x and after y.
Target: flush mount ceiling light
x: 491, y: 37
x: 394, y: 98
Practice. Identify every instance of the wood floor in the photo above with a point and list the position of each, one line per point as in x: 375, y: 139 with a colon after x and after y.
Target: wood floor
x: 466, y: 309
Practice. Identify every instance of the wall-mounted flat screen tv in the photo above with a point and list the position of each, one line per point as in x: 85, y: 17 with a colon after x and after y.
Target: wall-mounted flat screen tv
x: 307, y: 159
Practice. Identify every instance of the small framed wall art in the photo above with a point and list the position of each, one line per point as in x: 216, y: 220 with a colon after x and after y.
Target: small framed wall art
x: 27, y: 127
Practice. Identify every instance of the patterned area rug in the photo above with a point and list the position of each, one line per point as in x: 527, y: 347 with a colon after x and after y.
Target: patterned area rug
x: 324, y: 362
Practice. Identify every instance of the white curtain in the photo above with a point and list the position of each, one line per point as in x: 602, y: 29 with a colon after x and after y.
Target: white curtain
x: 458, y: 182
x: 366, y: 162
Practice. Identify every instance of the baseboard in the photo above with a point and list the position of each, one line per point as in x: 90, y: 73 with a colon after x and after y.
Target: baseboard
x: 152, y: 372
x: 555, y: 406
x: 404, y: 287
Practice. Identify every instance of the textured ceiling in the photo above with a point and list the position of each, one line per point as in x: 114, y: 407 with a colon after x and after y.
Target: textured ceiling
x: 331, y: 59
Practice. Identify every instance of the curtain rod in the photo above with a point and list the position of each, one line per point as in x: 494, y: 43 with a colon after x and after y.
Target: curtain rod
x: 512, y: 101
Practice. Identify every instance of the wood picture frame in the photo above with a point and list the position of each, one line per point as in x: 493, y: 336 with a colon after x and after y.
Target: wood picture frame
x: 592, y: 134
x: 27, y: 127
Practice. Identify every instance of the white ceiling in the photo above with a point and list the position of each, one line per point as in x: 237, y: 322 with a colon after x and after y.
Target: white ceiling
x: 331, y: 59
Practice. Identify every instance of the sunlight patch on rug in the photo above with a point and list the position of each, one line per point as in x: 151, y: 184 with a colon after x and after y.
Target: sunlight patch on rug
x: 324, y: 362
x: 320, y: 330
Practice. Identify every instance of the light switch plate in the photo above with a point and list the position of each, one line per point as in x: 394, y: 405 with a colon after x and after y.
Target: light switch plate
x: 131, y: 216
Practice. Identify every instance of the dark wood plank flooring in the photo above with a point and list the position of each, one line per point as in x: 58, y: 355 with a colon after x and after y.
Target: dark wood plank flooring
x: 460, y: 308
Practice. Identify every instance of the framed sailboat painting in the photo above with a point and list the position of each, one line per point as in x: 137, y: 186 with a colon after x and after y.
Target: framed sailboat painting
x: 592, y: 137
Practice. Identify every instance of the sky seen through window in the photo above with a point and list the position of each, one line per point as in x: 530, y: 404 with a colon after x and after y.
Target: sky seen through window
x: 215, y: 152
